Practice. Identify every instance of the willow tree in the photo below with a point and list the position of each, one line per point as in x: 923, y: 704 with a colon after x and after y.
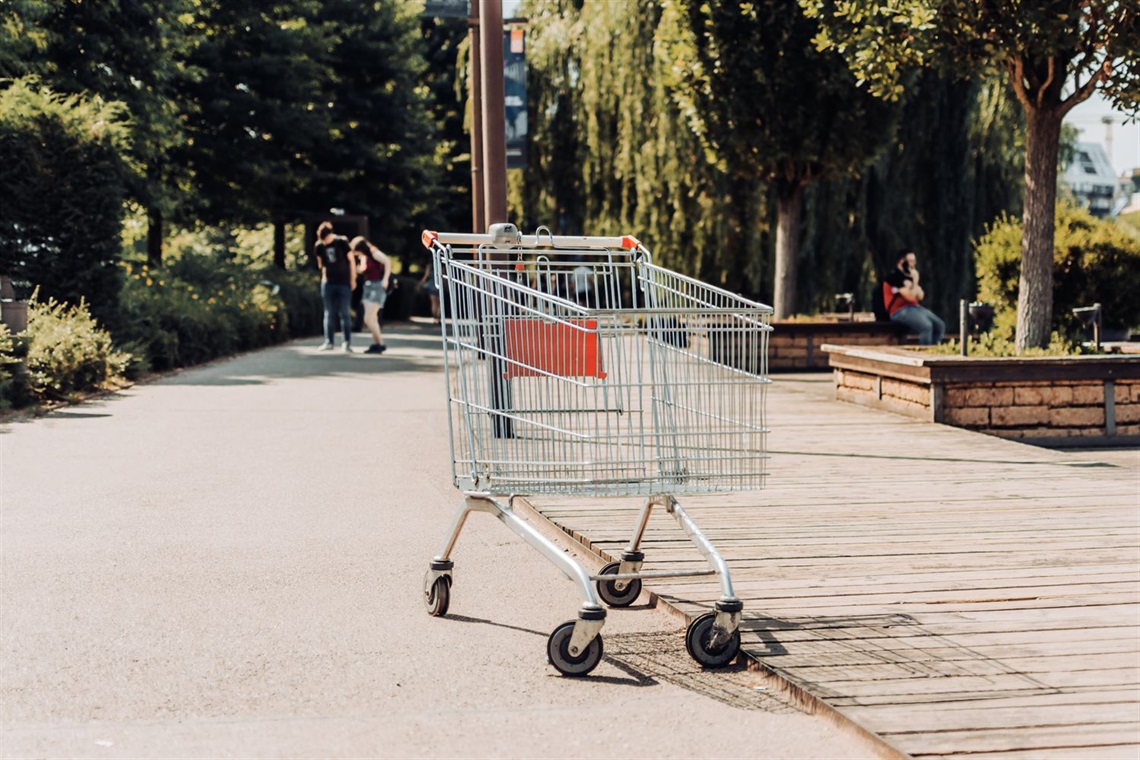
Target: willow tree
x: 765, y: 103
x: 610, y: 149
x: 1055, y: 53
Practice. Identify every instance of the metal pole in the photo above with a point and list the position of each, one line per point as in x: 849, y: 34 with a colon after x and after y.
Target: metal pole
x: 478, y: 222
x: 964, y: 326
x: 1096, y: 327
x: 493, y: 109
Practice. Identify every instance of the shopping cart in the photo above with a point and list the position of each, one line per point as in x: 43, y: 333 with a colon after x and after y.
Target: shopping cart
x: 576, y: 366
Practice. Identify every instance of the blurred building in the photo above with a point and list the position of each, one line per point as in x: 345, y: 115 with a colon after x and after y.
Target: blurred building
x: 1091, y: 179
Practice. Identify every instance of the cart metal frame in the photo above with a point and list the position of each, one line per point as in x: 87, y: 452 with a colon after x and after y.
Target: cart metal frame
x: 577, y: 367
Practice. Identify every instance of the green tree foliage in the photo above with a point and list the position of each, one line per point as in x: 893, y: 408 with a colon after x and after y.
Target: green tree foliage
x: 379, y: 157
x: 952, y: 167
x: 21, y: 36
x: 445, y: 54
x: 298, y: 106
x: 1094, y: 261
x: 1055, y: 53
x: 765, y: 103
x: 63, y: 179
x: 255, y: 109
x: 129, y: 51
x: 611, y: 148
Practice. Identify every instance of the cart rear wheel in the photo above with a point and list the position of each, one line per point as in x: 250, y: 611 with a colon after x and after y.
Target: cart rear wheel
x: 698, y: 639
x: 439, y: 597
x: 558, y: 652
x: 609, y: 592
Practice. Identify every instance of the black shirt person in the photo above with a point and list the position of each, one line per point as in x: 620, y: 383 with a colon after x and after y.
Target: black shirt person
x: 338, y: 280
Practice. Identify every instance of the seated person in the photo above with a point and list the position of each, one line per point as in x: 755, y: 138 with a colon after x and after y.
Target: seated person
x: 901, y: 295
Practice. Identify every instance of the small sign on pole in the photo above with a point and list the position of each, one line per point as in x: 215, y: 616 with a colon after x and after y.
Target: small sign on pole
x: 514, y: 92
x: 447, y: 8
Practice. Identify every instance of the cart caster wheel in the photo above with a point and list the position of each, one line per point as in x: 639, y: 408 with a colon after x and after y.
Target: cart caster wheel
x: 558, y: 652
x: 607, y: 590
x: 438, y: 599
x: 697, y: 642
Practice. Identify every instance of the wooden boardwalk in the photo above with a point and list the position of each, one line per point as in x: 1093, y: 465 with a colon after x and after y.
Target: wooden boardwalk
x: 952, y: 593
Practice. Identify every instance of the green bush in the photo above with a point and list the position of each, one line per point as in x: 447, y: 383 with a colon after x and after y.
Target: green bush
x: 301, y: 294
x: 13, y: 377
x: 1130, y: 222
x: 68, y: 353
x: 996, y: 344
x: 1094, y: 261
x: 198, y: 308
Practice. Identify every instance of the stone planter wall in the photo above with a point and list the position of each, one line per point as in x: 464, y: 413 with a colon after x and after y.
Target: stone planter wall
x: 1072, y: 401
x: 799, y: 345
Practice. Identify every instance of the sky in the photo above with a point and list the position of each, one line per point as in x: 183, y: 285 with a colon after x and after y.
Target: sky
x: 1125, y: 137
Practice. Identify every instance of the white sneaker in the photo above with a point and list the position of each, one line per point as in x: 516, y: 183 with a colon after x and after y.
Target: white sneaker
x: 326, y: 346
x: 347, y: 348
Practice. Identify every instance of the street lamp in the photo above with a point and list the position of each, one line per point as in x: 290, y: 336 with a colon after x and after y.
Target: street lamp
x: 981, y: 317
x: 845, y: 302
x: 1090, y: 316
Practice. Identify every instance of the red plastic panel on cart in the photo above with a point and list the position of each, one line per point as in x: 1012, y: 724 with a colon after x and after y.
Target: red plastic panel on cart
x: 566, y: 349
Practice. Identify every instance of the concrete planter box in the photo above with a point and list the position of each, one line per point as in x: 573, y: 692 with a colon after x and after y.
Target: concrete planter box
x: 801, y: 345
x: 1070, y: 401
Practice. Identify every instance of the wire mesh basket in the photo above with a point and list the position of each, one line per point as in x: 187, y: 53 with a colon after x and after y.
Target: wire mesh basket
x: 577, y: 366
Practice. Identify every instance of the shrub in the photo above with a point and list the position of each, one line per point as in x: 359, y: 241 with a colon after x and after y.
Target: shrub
x: 996, y: 344
x: 198, y: 308
x: 68, y: 352
x: 1094, y: 261
x: 13, y: 377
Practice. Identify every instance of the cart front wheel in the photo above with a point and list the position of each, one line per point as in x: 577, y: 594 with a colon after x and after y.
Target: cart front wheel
x: 698, y: 640
x: 558, y: 652
x: 439, y: 597
x: 609, y: 592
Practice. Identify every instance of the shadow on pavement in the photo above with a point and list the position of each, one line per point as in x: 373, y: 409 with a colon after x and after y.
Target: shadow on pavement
x: 660, y: 657
x: 410, y: 349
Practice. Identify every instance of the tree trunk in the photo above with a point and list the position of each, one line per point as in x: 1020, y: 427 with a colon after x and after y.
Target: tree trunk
x: 1035, y: 289
x: 154, y: 237
x: 279, y: 245
x: 789, y: 206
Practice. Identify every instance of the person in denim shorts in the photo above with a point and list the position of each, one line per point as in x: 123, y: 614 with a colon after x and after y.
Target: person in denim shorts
x: 376, y: 268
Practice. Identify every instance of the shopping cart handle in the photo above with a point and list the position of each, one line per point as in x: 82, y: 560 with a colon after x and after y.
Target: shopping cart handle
x: 428, y: 238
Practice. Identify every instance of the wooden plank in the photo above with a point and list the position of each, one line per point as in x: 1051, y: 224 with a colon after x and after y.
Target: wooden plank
x: 1076, y: 739
x: 1091, y: 699
x: 899, y: 684
x: 931, y: 667
x: 1088, y: 695
x: 825, y: 653
x: 821, y: 633
x: 938, y: 718
x: 1127, y: 751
